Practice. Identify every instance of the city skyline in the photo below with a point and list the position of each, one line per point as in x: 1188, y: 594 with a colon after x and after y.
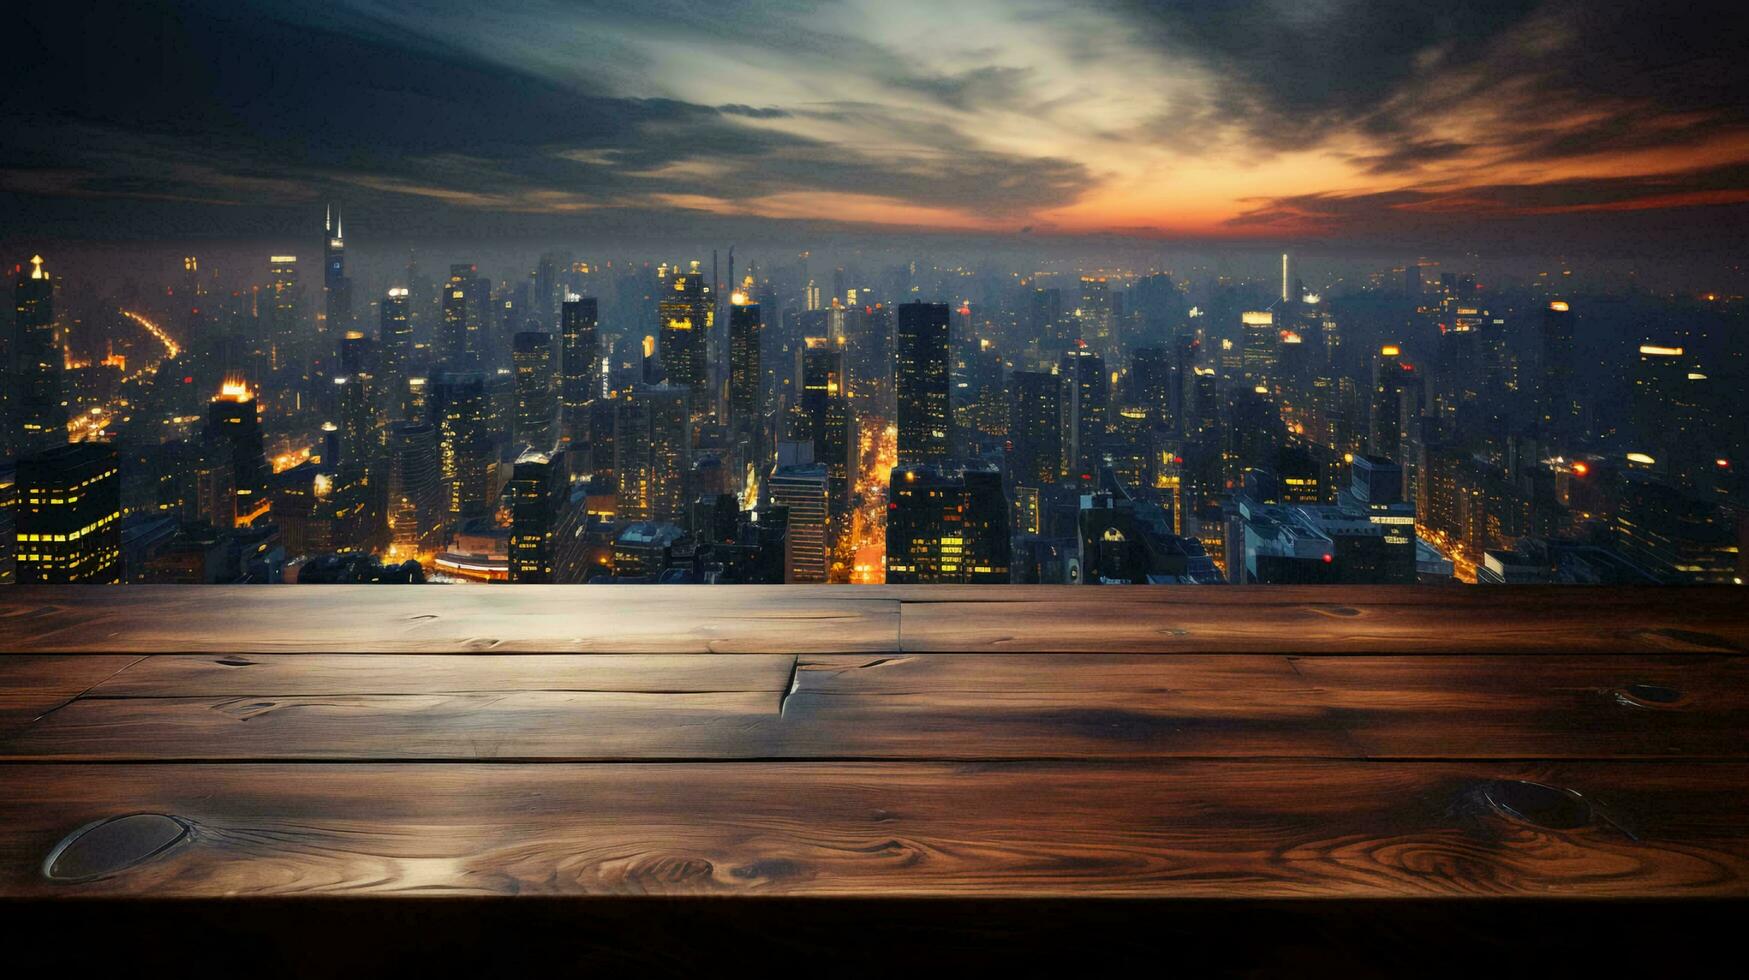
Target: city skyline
x: 1554, y: 127
x: 752, y: 416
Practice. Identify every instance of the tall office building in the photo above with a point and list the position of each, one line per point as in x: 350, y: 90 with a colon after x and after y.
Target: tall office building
x: 1154, y: 384
x: 1086, y: 409
x: 823, y: 413
x: 1035, y: 428
x: 1658, y: 400
x: 69, y: 516
x: 1046, y: 322
x: 537, y: 491
x: 360, y: 437
x: 463, y: 413
x: 417, y: 505
x: 395, y: 354
x: 685, y: 314
x: 285, y: 333
x: 947, y: 525
x: 1259, y: 348
x: 462, y: 344
x: 1098, y: 315
x: 532, y: 355
x: 336, y: 288
x: 804, y: 490
x: 652, y: 453
x: 37, y: 399
x: 746, y: 333
x: 1557, y: 400
x: 921, y: 379
x: 233, y: 432
x: 1396, y: 399
x: 579, y: 365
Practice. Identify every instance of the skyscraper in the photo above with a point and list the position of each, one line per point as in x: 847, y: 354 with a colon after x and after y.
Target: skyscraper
x: 285, y: 331
x: 579, y: 356
x: 1396, y: 390
x: 746, y: 333
x: 415, y: 493
x: 685, y: 316
x: 37, y: 401
x: 461, y: 345
x: 1558, y: 405
x: 69, y: 516
x: 1086, y: 408
x: 921, y: 379
x: 532, y: 355
x: 1035, y: 428
x: 824, y: 417
x: 537, y: 492
x: 652, y: 453
x: 803, y: 489
x: 336, y: 288
x: 462, y: 411
x: 1097, y: 315
x: 234, y: 432
x: 1259, y: 351
x: 395, y: 347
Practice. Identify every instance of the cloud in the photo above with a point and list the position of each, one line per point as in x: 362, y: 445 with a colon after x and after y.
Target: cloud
x: 1198, y: 117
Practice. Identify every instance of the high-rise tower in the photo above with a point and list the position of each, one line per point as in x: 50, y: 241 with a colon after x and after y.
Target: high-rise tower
x: 685, y: 318
x: 37, y: 399
x: 579, y: 354
x: 920, y: 378
x: 336, y: 288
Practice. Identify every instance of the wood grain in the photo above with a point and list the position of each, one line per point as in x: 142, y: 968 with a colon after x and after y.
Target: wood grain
x: 908, y: 706
x: 31, y: 686
x: 461, y: 619
x: 1179, y: 829
x: 1331, y: 620
x: 828, y: 620
x: 181, y: 675
x: 589, y: 725
x: 1630, y: 707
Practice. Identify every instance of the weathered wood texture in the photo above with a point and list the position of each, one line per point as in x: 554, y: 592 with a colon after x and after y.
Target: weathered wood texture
x: 526, y: 619
x: 1043, y: 743
x: 1183, y: 829
x: 783, y: 619
x: 1271, y: 619
x: 909, y: 706
x: 33, y: 686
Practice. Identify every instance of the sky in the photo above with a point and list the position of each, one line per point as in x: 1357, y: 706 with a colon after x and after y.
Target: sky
x: 1547, y: 124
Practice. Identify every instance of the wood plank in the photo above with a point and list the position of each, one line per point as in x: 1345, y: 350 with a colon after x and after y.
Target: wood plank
x: 831, y: 620
x: 1193, y: 829
x: 1513, y: 707
x: 1044, y: 673
x: 1326, y: 620
x: 31, y: 686
x: 182, y: 675
x: 583, y: 725
x: 440, y: 619
x: 915, y: 706
x: 1537, y: 707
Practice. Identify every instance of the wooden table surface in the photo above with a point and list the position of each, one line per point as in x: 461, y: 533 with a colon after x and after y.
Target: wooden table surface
x: 886, y: 743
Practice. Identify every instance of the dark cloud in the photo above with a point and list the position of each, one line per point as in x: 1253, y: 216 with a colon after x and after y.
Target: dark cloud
x: 1710, y: 205
x: 1294, y: 70
x: 248, y: 106
x: 1291, y: 69
x: 233, y: 106
x: 1411, y: 155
